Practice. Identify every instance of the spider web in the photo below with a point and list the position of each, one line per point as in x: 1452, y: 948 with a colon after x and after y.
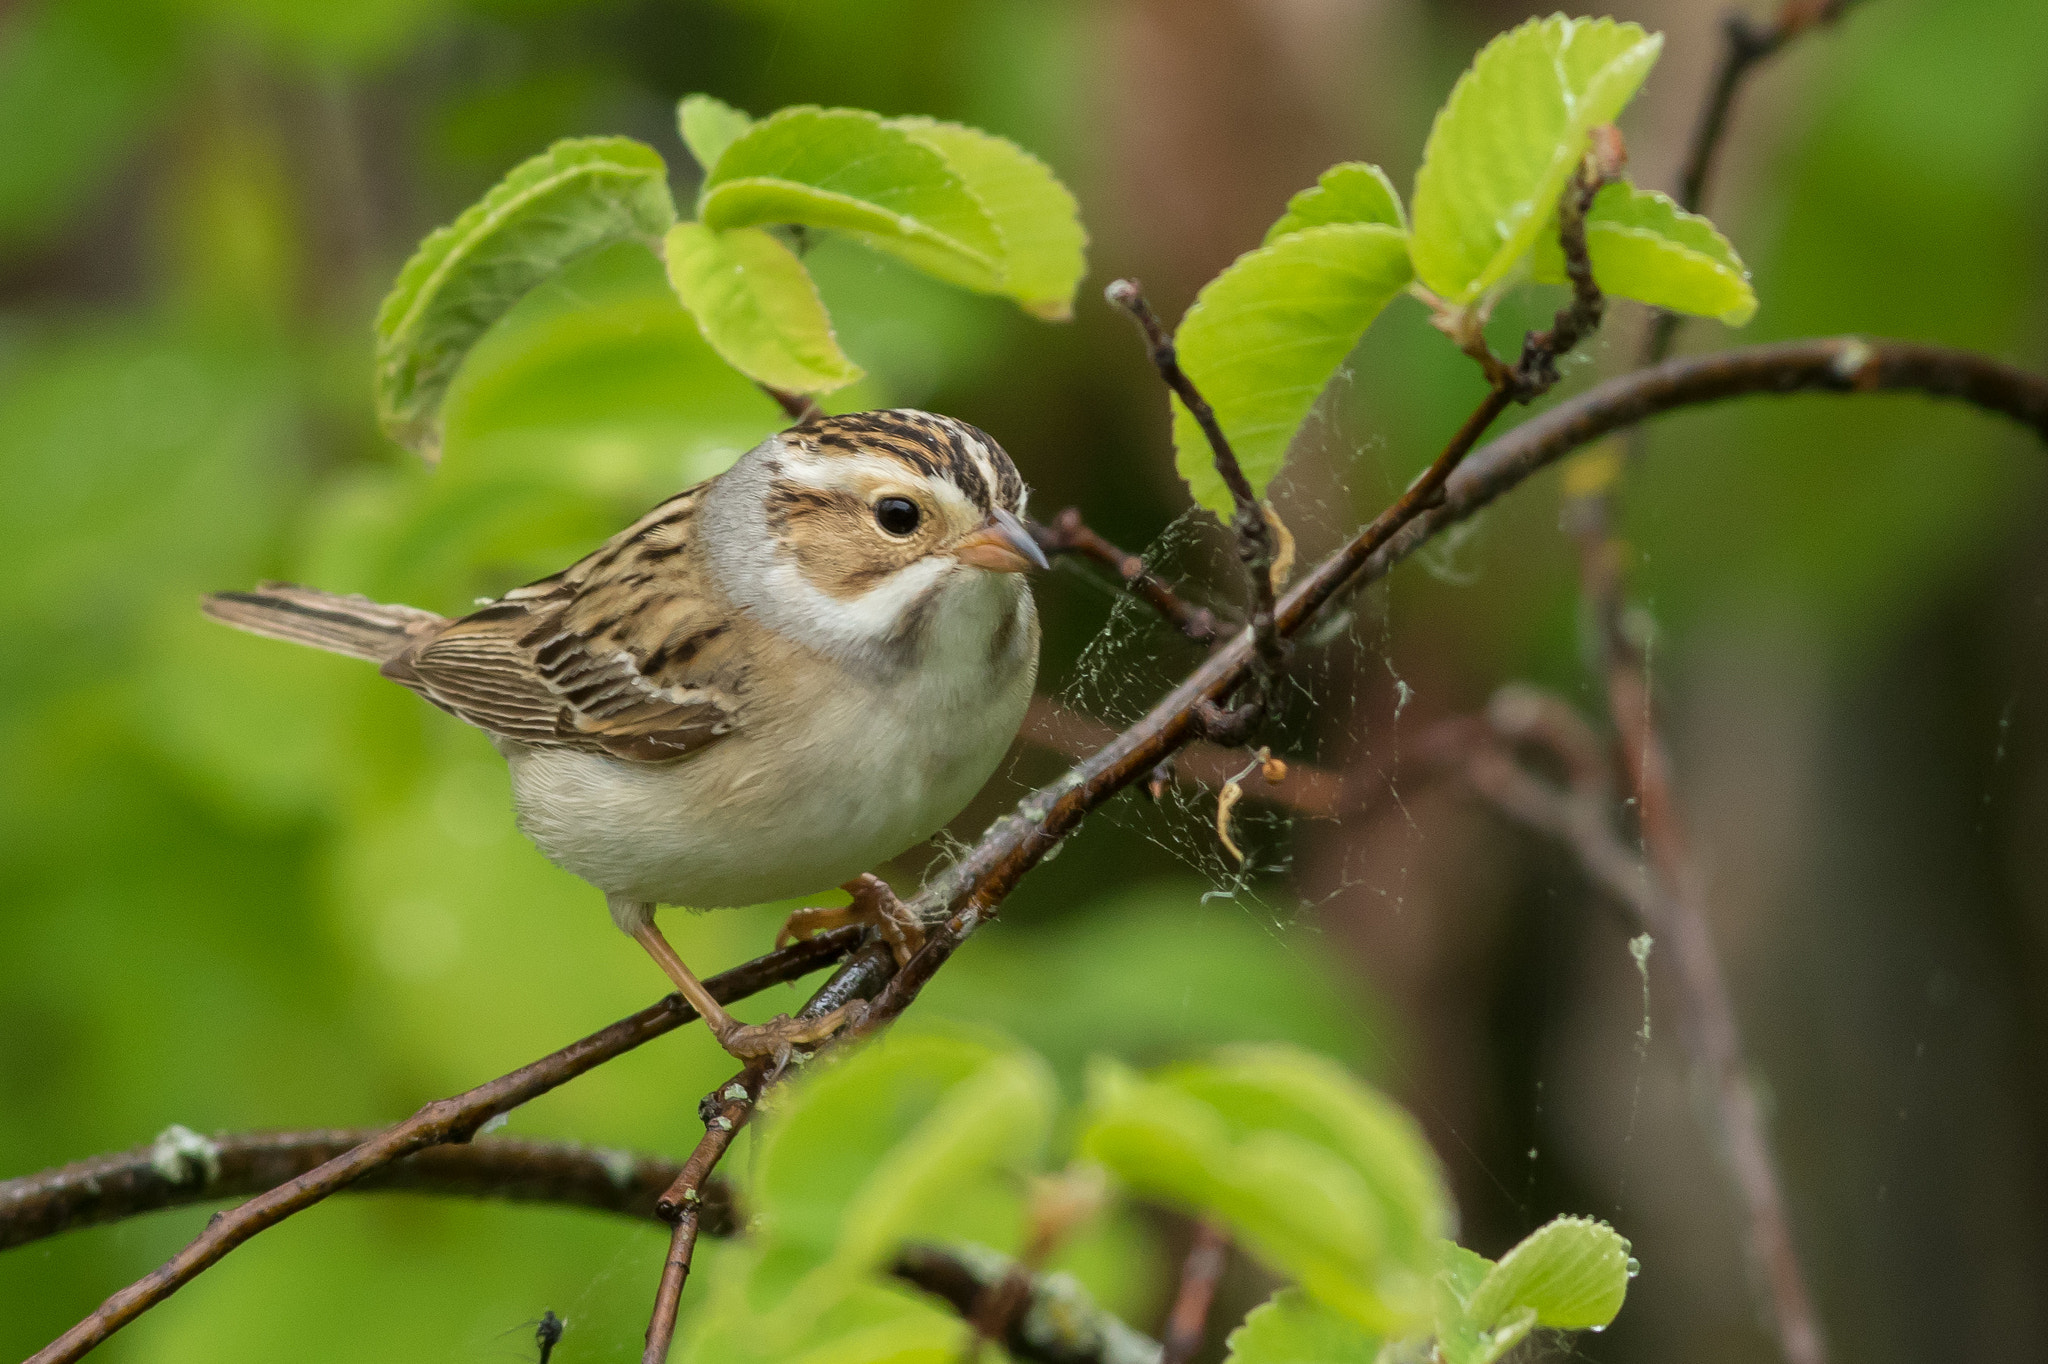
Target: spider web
x: 1314, y: 713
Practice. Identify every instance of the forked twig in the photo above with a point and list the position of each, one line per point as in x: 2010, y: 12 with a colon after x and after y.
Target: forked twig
x: 1256, y: 542
x: 445, y: 1120
x: 1067, y: 533
x: 726, y: 1110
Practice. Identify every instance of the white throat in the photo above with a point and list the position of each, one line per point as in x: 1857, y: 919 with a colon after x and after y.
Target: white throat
x: 933, y: 614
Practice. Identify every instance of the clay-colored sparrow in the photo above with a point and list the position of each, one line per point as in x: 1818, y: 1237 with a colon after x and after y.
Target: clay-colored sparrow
x: 769, y: 684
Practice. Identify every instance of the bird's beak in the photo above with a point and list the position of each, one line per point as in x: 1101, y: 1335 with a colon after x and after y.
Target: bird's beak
x: 1001, y: 545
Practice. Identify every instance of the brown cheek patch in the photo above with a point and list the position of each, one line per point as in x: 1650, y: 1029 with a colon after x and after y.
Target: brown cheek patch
x: 830, y: 536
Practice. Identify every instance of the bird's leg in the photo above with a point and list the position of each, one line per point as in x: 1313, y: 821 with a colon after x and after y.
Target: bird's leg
x: 747, y: 1041
x: 874, y: 905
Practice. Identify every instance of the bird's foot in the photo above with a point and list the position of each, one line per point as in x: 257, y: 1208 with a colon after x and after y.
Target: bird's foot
x: 775, y: 1040
x: 874, y: 905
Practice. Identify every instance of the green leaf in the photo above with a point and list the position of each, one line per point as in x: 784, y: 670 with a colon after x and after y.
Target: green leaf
x: 1460, y: 1337
x: 1043, y: 241
x: 1349, y: 192
x: 755, y: 303
x: 1571, y: 1273
x: 576, y: 196
x: 1264, y: 337
x: 1645, y: 247
x: 905, y: 1137
x: 888, y: 1143
x: 868, y: 1324
x: 600, y: 380
x: 847, y: 170
x: 1317, y: 1175
x: 1292, y: 1328
x: 709, y: 126
x: 1506, y: 142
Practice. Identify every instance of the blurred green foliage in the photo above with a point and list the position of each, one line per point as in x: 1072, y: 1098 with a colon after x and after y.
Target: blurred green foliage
x: 252, y: 886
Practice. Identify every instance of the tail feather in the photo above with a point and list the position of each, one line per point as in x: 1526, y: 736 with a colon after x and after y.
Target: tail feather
x: 355, y: 626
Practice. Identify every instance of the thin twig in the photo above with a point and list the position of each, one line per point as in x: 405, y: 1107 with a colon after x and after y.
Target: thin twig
x: 799, y: 407
x: 1069, y: 534
x: 1536, y: 372
x: 1188, y: 1322
x: 1665, y: 902
x: 1745, y: 45
x: 445, y: 1120
x: 1707, y: 1013
x: 1255, y: 539
x: 1581, y: 813
x: 1306, y: 789
x: 726, y: 1110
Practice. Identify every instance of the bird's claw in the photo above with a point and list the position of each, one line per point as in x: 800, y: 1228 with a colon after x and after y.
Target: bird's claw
x: 776, y: 1040
x: 874, y: 905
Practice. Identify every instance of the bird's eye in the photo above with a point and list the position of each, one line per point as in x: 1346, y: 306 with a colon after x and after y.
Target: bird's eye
x: 897, y: 515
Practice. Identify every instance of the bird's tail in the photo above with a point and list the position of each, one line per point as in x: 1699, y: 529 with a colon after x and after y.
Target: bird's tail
x: 355, y: 626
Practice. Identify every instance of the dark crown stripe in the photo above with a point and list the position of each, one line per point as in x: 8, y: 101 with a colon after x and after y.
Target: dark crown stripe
x: 931, y: 445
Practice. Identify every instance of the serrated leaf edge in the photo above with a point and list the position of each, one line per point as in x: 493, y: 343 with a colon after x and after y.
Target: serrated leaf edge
x: 1061, y: 309
x: 994, y: 267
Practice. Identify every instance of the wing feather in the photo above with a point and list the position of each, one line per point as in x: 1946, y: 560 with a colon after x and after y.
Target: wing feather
x: 629, y: 652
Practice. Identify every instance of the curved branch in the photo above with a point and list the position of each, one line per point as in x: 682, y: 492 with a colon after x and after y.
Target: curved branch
x: 962, y: 898
x: 1060, y: 1324
x: 443, y: 1121
x: 182, y: 1168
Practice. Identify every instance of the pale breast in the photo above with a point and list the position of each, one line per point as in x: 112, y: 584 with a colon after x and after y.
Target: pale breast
x: 828, y: 775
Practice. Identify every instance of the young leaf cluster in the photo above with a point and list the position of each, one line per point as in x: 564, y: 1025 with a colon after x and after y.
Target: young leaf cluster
x: 1263, y: 339
x: 1320, y: 1178
x: 959, y: 204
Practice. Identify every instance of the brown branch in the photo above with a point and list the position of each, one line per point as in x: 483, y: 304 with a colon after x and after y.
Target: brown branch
x: 1057, y: 1323
x: 1069, y: 534
x: 182, y: 1168
x: 1710, y: 1031
x: 964, y: 897
x: 1665, y: 902
x: 1580, y: 813
x: 1255, y: 539
x: 726, y: 1110
x: 1188, y: 1322
x: 445, y: 1120
x: 1306, y: 789
x: 1745, y: 44
x: 798, y: 407
x: 1536, y: 372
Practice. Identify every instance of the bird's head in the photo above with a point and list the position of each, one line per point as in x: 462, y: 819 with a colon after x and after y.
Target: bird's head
x: 883, y: 535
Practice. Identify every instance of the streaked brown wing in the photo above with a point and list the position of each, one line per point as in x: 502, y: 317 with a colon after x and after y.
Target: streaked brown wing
x: 625, y: 653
